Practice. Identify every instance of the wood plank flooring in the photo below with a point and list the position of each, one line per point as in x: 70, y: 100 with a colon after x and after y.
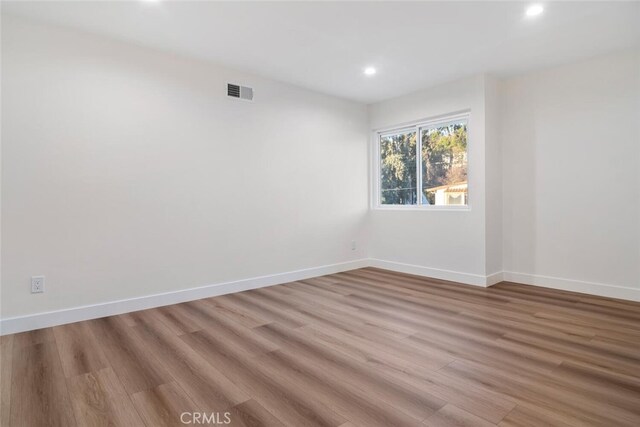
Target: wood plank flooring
x: 363, y: 348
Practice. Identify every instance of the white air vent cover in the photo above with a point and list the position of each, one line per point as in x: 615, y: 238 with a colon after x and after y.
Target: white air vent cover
x: 240, y: 92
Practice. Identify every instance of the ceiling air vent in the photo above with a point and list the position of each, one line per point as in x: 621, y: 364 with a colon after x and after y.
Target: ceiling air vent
x: 240, y: 92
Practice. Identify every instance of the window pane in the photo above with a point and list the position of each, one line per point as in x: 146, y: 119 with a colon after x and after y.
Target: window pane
x: 444, y: 165
x: 398, y: 183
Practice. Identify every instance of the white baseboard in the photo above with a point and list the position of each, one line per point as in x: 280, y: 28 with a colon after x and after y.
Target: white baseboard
x: 590, y: 288
x: 436, y: 273
x: 494, y: 278
x: 60, y: 317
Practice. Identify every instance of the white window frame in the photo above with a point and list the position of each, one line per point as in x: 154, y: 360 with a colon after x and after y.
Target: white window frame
x: 417, y: 127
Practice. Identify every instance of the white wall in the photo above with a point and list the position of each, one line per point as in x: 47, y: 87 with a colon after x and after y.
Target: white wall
x: 127, y: 172
x: 437, y: 240
x: 554, y: 179
x: 571, y: 158
x: 493, y: 179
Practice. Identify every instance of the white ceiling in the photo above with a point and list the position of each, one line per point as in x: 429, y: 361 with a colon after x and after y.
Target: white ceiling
x: 325, y: 46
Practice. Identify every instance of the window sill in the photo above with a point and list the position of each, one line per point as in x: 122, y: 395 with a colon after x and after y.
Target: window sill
x: 429, y: 208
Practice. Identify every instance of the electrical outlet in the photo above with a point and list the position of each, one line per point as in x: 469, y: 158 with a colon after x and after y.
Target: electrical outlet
x: 353, y: 245
x: 37, y: 284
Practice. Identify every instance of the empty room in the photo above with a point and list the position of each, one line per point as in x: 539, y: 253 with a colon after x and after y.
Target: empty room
x: 320, y: 213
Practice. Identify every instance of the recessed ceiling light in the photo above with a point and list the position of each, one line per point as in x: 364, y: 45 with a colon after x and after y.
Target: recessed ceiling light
x: 534, y: 10
x: 369, y: 71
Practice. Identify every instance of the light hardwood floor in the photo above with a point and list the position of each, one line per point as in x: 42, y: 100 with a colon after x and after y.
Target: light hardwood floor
x: 363, y: 348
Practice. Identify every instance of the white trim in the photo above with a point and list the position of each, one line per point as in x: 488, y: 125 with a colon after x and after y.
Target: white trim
x: 419, y: 131
x: 436, y: 273
x: 432, y: 208
x: 397, y: 131
x: 441, y: 118
x: 494, y: 278
x: 377, y: 171
x: 75, y: 314
x: 591, y: 288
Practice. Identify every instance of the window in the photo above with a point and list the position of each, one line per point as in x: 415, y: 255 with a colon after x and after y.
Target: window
x: 424, y: 165
x: 398, y: 176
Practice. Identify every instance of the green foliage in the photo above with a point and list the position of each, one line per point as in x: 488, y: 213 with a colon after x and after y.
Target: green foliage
x: 398, y: 169
x: 444, y: 161
x: 444, y: 157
